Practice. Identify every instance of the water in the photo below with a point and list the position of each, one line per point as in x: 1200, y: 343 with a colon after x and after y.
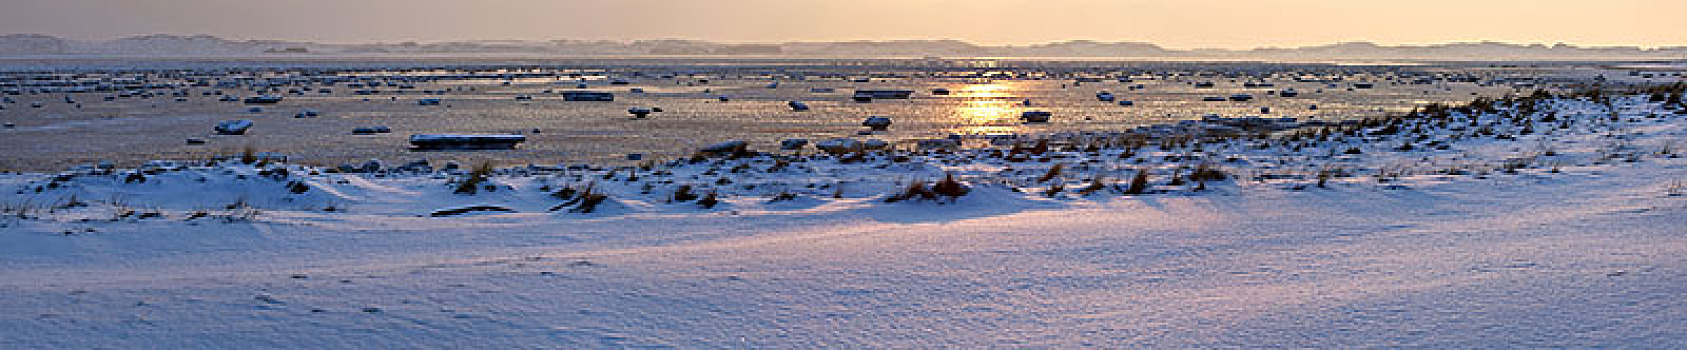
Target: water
x: 987, y: 98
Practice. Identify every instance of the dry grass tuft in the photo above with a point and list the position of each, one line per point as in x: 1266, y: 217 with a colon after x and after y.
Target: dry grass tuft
x: 950, y: 188
x: 1053, y: 172
x: 1139, y: 183
x: 1208, y: 172
x: 709, y: 201
x: 472, y: 183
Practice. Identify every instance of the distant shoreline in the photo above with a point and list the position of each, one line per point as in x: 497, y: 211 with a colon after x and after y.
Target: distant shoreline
x: 36, y: 63
x: 206, y: 46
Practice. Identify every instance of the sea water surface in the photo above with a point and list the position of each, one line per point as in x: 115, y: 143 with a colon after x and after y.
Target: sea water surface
x: 703, y: 101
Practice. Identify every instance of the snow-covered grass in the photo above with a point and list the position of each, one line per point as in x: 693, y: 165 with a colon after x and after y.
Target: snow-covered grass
x: 1527, y: 222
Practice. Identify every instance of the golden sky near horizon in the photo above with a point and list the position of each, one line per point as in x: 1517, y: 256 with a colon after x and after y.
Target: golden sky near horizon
x: 1174, y: 24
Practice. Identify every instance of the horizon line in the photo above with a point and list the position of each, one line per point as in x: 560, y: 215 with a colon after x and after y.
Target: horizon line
x: 968, y: 42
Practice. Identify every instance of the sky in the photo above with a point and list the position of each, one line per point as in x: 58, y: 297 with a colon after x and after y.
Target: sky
x: 1178, y: 24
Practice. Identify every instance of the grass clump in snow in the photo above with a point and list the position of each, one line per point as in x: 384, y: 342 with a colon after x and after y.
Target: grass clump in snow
x: 584, y: 202
x: 783, y: 196
x: 248, y: 154
x: 1325, y: 174
x: 1139, y: 183
x: 565, y: 193
x: 709, y: 201
x: 1208, y: 172
x: 684, y: 194
x: 238, y: 211
x: 915, y: 190
x: 471, y: 183
x: 1053, y: 172
x: 19, y: 211
x: 71, y: 203
x: 918, y: 190
x: 1097, y: 184
x: 134, y: 177
x: 1054, y: 190
x: 948, y: 187
x: 277, y: 173
x: 297, y: 187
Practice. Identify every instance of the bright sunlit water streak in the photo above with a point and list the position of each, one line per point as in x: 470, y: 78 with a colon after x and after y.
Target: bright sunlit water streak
x: 985, y: 109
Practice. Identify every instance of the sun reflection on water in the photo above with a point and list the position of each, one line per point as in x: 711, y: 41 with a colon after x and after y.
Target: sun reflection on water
x: 985, y: 109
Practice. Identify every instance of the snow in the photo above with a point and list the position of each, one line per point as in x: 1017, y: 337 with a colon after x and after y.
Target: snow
x: 1580, y: 246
